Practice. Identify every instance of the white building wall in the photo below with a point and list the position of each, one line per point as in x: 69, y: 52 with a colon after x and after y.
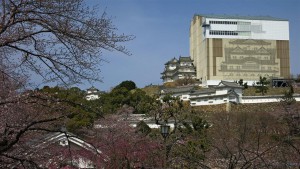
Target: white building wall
x: 185, y: 97
x: 210, y: 101
x: 270, y: 30
x: 264, y: 99
x: 220, y: 92
x: 260, y: 99
x: 92, y: 97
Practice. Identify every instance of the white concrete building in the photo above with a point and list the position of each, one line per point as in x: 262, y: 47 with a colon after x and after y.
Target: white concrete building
x: 231, y: 48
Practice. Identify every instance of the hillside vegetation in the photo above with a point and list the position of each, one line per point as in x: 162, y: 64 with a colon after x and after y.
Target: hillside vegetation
x: 251, y: 91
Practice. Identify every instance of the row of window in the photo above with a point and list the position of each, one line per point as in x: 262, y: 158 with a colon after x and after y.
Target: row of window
x: 245, y: 67
x: 231, y: 33
x: 212, y: 32
x: 223, y: 22
x: 245, y: 74
x: 257, y: 57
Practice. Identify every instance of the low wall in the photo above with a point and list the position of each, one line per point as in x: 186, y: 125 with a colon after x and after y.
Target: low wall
x: 265, y: 99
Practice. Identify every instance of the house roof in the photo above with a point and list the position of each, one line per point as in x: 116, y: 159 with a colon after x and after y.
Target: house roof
x: 59, y: 136
x: 204, y: 91
x: 241, y: 17
x: 228, y: 84
x: 231, y: 92
x: 208, y: 96
x: 177, y: 89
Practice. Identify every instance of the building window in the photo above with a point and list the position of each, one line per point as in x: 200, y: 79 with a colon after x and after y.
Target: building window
x: 223, y: 22
x: 216, y: 32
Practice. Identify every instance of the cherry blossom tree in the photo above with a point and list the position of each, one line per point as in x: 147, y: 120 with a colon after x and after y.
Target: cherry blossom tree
x: 59, y: 40
x: 124, y: 146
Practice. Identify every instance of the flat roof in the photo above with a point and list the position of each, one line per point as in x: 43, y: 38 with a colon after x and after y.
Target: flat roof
x: 241, y: 17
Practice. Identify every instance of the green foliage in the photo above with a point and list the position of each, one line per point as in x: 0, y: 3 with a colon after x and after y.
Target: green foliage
x: 288, y: 97
x: 81, y: 113
x: 262, y: 85
x: 251, y: 91
x: 121, y: 95
x: 141, y: 101
x: 199, y: 123
x: 128, y: 84
x: 195, y: 143
x: 240, y: 82
x: 245, y: 85
x: 143, y: 128
x: 151, y: 90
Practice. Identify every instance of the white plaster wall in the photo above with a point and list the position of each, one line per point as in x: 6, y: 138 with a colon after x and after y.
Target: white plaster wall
x: 185, y: 97
x: 267, y: 99
x: 219, y: 92
x: 208, y: 102
x: 92, y: 97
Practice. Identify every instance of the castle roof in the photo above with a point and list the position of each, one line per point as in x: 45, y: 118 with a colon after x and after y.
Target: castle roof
x: 174, y: 60
x: 185, y: 59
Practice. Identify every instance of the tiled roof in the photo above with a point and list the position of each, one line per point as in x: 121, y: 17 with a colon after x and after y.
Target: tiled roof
x: 92, y: 89
x: 241, y: 17
x: 204, y: 91
x: 229, y: 84
x: 208, y: 96
x: 174, y: 60
x: 178, y: 89
x: 185, y: 59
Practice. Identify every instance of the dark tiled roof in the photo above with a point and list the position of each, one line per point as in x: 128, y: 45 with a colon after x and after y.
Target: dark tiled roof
x: 174, y: 60
x: 203, y: 91
x: 229, y: 84
x: 242, y: 17
x: 208, y: 96
x: 185, y: 59
x: 178, y: 89
x: 92, y: 89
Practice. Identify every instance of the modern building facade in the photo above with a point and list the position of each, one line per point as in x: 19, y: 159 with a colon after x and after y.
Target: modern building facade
x: 235, y: 47
x: 178, y: 69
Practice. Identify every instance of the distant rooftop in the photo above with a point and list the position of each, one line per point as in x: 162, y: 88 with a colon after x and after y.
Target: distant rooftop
x: 241, y: 17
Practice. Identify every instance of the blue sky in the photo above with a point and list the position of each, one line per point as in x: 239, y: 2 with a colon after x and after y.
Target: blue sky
x: 161, y: 28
